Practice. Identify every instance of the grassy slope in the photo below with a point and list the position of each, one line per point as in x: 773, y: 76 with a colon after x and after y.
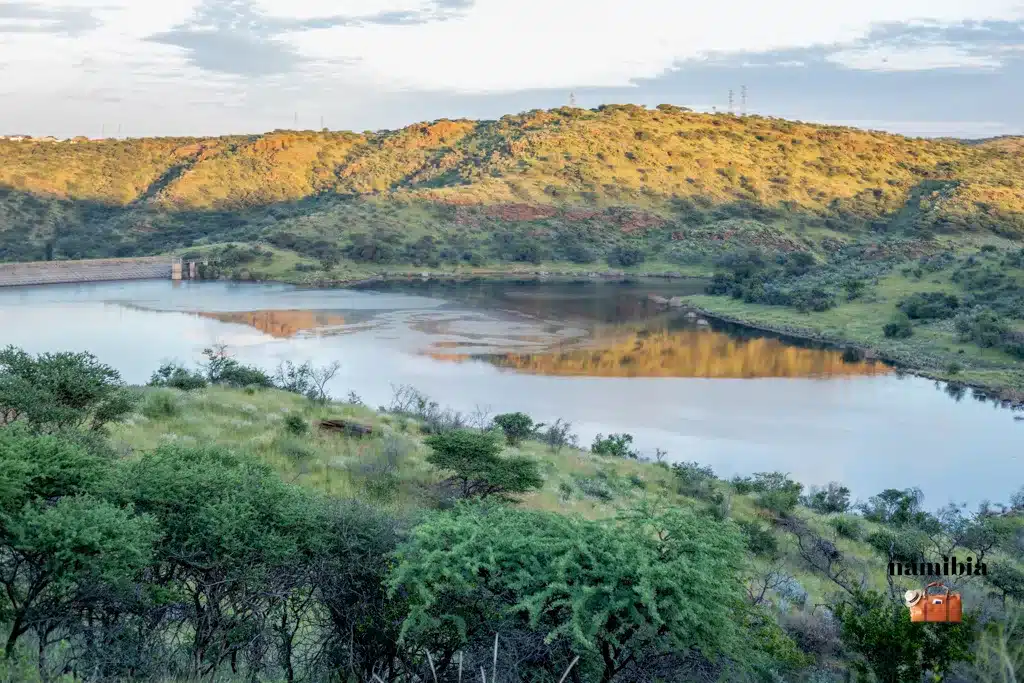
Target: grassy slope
x: 338, y: 465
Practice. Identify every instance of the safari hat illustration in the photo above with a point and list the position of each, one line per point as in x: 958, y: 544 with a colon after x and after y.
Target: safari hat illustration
x: 912, y: 597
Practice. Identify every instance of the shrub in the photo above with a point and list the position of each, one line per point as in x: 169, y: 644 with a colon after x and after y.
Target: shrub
x: 517, y: 427
x: 616, y: 445
x: 557, y: 436
x: 595, y: 488
x: 296, y: 424
x: 847, y: 526
x: 693, y: 479
x: 899, y: 327
x: 221, y: 368
x: 55, y: 391
x: 625, y: 256
x: 177, y: 377
x: 161, y: 404
x: 760, y: 540
x: 833, y: 498
x: 478, y: 469
x: 900, y: 546
x: 929, y: 306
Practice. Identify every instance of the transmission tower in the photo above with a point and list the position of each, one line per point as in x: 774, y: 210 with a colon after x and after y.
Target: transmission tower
x: 296, y: 121
x: 572, y: 99
x: 731, y: 102
x: 743, y: 100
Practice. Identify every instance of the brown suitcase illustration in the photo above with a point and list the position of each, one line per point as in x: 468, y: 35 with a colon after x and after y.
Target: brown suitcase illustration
x: 937, y: 607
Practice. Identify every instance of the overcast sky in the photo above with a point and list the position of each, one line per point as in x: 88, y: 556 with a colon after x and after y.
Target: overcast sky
x: 191, y: 67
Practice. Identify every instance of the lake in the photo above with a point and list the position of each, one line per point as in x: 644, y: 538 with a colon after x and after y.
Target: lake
x: 599, y: 355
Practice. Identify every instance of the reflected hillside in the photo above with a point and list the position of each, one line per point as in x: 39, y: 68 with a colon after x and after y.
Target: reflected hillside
x: 685, y: 353
x: 281, y: 324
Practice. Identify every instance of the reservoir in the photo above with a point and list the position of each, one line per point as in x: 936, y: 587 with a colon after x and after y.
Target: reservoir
x: 602, y: 356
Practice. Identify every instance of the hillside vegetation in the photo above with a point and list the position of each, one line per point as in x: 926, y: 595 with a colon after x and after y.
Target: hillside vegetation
x: 586, y: 179
x: 822, y: 231
x: 225, y: 525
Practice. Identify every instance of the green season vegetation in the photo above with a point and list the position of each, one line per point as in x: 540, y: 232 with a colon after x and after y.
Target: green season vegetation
x: 850, y: 225
x: 204, y: 529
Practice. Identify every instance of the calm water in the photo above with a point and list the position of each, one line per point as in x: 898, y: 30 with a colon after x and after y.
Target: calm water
x: 599, y: 355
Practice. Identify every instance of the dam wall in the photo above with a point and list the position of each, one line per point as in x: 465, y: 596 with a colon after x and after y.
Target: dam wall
x: 96, y: 270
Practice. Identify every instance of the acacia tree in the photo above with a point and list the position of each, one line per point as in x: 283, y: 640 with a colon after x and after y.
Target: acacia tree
x: 59, y: 542
x: 55, y: 391
x: 625, y: 596
x: 479, y: 470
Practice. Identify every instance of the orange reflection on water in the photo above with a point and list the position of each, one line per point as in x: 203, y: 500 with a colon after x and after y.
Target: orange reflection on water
x: 685, y: 353
x: 282, y: 324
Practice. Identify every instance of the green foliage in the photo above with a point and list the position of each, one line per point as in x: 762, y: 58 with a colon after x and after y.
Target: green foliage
x: 615, y: 445
x: 899, y: 327
x: 177, y: 377
x: 479, y: 470
x: 896, y: 507
x: 694, y: 480
x: 517, y: 427
x: 895, y: 650
x: 221, y: 368
x: 617, y: 595
x: 760, y: 539
x: 160, y: 405
x: 558, y: 435
x: 775, y: 491
x: 847, y: 526
x: 626, y: 256
x: 295, y: 423
x: 833, y: 498
x: 929, y: 306
x: 55, y: 391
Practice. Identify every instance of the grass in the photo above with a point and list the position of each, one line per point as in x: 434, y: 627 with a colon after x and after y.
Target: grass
x: 337, y: 465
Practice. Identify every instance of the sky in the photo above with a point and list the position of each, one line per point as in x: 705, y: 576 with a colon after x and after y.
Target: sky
x: 210, y: 67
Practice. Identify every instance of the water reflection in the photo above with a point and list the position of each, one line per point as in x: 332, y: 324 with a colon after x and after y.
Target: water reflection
x: 683, y: 353
x: 279, y: 324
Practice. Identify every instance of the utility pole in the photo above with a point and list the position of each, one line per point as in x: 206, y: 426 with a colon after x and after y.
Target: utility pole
x: 119, y: 130
x: 322, y: 122
x: 731, y: 101
x: 743, y: 100
x: 296, y: 121
x: 103, y: 135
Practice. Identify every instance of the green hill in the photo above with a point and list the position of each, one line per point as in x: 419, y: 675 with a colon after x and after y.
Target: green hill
x: 849, y: 224
x: 592, y: 178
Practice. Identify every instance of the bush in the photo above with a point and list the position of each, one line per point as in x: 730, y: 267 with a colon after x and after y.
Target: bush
x: 760, y: 540
x: 616, y: 445
x: 295, y: 423
x: 160, y: 405
x: 625, y: 256
x: 929, y: 306
x: 177, y: 377
x: 478, y: 469
x: 517, y: 427
x: 833, y: 498
x: 558, y: 435
x: 56, y: 391
x: 847, y: 526
x: 694, y: 480
x: 595, y: 488
x: 901, y: 546
x: 221, y: 368
x: 899, y: 327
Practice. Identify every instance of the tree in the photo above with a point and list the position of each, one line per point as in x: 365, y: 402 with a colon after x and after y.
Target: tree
x: 617, y: 445
x: 221, y: 368
x: 899, y: 327
x: 649, y: 587
x: 516, y: 426
x: 888, y: 645
x: 479, y: 469
x: 833, y: 498
x: 55, y: 391
x: 58, y: 540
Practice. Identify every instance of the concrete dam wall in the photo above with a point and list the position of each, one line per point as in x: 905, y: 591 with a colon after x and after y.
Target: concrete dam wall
x: 98, y: 270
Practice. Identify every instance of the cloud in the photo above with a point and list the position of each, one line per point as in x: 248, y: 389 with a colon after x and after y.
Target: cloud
x: 377, y: 63
x: 239, y: 37
x: 31, y: 17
